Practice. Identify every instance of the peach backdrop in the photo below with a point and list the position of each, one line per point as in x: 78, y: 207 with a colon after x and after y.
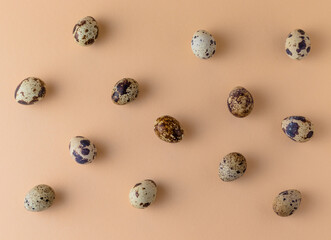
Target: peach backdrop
x: 149, y: 40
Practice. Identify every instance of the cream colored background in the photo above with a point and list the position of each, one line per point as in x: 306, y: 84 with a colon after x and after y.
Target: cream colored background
x: 150, y: 41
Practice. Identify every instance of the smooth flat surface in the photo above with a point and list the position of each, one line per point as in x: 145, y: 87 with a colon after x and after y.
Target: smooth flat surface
x: 150, y: 42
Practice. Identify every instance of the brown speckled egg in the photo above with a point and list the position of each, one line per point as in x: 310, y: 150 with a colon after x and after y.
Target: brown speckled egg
x: 240, y: 102
x: 232, y: 167
x: 203, y: 44
x: 143, y: 194
x: 30, y: 90
x: 82, y: 150
x: 297, y: 45
x: 298, y: 128
x: 168, y: 129
x: 86, y: 31
x: 39, y: 198
x: 126, y: 90
x: 287, y: 202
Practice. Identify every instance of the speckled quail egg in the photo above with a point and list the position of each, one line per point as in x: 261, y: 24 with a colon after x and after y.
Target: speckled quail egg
x: 298, y: 128
x: 232, y: 167
x: 240, y: 102
x: 30, y: 90
x: 203, y: 44
x: 39, y: 198
x: 287, y: 202
x: 297, y: 44
x: 82, y: 150
x: 168, y: 129
x: 86, y: 31
x: 143, y: 194
x: 126, y: 90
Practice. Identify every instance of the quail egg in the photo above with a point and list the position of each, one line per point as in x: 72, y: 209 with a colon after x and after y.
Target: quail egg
x: 125, y: 91
x: 240, y: 102
x: 168, y: 129
x: 298, y: 128
x: 143, y: 194
x: 287, y: 202
x: 232, y: 167
x: 297, y: 45
x: 82, y: 150
x: 30, y: 90
x: 203, y: 44
x: 39, y: 198
x: 86, y: 31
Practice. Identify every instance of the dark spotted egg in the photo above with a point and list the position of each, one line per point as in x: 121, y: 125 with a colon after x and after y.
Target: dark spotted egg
x: 168, y: 129
x: 39, y: 198
x: 203, y: 44
x: 298, y: 128
x: 297, y: 44
x: 82, y: 150
x: 125, y: 90
x: 30, y: 90
x: 143, y: 194
x: 240, y: 102
x: 287, y: 202
x: 86, y: 31
x: 232, y: 167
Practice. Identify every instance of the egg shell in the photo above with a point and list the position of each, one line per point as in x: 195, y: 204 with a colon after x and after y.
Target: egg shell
x: 287, y: 202
x: 82, y: 150
x: 168, y: 129
x: 39, y: 198
x: 240, y: 102
x: 126, y: 90
x: 30, y: 90
x: 203, y: 44
x: 143, y: 194
x: 232, y: 167
x: 297, y: 45
x: 298, y: 128
x: 86, y: 31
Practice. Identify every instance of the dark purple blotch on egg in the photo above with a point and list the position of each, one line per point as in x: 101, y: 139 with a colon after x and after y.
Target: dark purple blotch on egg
x: 288, y: 52
x: 299, y: 118
x: 302, y: 46
x: 85, y: 143
x: 115, y: 97
x: 301, y: 31
x: 292, y: 129
x: 79, y: 158
x: 85, y: 151
x: 123, y: 86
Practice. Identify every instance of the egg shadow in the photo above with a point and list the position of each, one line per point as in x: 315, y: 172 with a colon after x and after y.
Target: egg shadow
x: 307, y: 203
x: 144, y: 89
x: 260, y: 102
x: 161, y: 195
x: 102, y: 151
x: 187, y: 126
x: 60, y: 198
x: 51, y: 90
x: 320, y: 131
x: 104, y: 30
x: 318, y: 44
x: 221, y: 44
x: 252, y: 165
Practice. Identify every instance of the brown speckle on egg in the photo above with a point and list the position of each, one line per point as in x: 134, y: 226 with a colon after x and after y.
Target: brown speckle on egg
x: 30, y: 90
x: 287, y: 202
x: 86, y: 31
x: 232, y: 167
x: 168, y: 129
x: 143, y: 194
x: 240, y: 102
x: 39, y: 198
x: 126, y: 90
